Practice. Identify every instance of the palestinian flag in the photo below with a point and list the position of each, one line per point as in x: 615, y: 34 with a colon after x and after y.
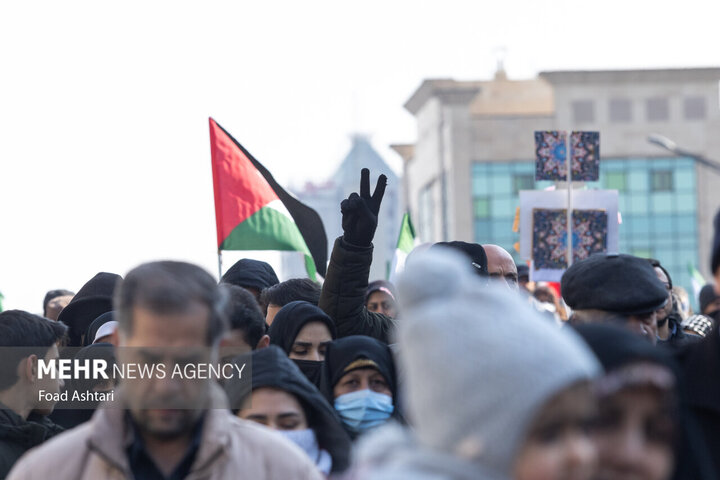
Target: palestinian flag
x: 253, y: 212
x: 407, y: 240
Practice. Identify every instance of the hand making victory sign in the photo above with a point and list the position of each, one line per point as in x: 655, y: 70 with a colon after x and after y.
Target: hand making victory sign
x: 360, y: 212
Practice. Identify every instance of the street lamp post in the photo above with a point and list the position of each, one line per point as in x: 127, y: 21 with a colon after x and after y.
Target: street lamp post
x: 664, y: 142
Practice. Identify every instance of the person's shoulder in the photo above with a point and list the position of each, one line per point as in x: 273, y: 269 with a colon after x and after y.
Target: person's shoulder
x: 272, y: 449
x: 55, y: 458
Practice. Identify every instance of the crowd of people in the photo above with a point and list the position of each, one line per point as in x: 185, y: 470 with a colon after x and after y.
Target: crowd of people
x: 463, y: 370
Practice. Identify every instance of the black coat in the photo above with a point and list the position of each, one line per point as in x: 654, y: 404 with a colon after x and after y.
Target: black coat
x: 343, y: 294
x: 700, y: 365
x: 17, y: 436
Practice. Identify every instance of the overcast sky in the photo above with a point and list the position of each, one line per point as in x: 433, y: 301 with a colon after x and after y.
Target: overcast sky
x: 104, y: 151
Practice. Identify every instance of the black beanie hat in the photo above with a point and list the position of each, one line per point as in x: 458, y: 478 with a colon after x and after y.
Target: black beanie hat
x: 476, y: 252
x: 251, y: 273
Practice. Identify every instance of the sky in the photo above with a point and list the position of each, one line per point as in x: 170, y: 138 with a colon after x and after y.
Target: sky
x: 104, y: 106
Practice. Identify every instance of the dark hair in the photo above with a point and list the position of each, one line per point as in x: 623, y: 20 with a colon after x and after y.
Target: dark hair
x: 244, y: 314
x: 290, y: 290
x: 657, y: 264
x: 22, y: 329
x: 54, y: 294
x: 170, y: 287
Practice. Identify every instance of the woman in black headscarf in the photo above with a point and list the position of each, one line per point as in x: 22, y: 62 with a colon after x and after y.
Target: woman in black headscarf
x: 359, y: 380
x: 303, y: 331
x: 284, y: 400
x: 643, y: 429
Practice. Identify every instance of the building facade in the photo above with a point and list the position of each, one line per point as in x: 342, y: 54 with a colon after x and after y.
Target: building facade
x: 475, y: 152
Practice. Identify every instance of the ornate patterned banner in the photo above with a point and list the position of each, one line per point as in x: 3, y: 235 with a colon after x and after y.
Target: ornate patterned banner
x: 549, y: 247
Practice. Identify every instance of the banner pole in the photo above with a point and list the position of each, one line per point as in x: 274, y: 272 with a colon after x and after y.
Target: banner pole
x: 219, y: 265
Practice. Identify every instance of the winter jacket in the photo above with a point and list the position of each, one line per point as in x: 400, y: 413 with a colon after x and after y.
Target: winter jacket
x: 230, y: 448
x: 17, y: 436
x: 343, y: 294
x: 700, y: 364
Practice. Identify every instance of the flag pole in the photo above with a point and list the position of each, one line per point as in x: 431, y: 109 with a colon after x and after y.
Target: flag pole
x: 569, y: 204
x: 219, y: 265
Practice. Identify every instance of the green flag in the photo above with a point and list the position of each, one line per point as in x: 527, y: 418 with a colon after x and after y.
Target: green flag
x: 405, y: 244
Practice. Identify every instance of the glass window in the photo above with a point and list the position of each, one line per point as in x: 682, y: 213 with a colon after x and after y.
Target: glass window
x: 694, y: 108
x: 479, y: 184
x: 637, y: 180
x: 685, y: 203
x: 661, y: 180
x: 500, y: 184
x: 639, y: 225
x: 637, y: 204
x: 502, y: 230
x: 481, y: 207
x: 482, y: 231
x: 661, y: 203
x: 686, y: 225
x: 657, y: 109
x: 662, y: 224
x: 502, y: 207
x: 620, y: 110
x: 685, y: 179
x: 642, y: 252
x: 583, y: 111
x: 523, y: 182
x: 616, y: 181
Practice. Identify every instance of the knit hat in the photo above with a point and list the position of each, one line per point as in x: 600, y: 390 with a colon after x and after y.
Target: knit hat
x: 249, y: 273
x: 479, y: 362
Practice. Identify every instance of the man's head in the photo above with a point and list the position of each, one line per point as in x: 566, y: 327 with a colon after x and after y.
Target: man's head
x: 170, y: 313
x: 623, y: 286
x: 501, y: 266
x: 247, y: 328
x: 55, y: 301
x: 709, y: 301
x: 273, y: 298
x: 25, y: 338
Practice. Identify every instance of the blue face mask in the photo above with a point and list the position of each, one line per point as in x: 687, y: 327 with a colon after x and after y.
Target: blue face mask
x: 364, y: 409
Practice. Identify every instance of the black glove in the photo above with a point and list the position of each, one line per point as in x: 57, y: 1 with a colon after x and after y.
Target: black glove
x: 360, y: 212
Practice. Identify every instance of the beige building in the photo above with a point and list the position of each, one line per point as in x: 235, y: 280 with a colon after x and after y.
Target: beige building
x: 475, y: 151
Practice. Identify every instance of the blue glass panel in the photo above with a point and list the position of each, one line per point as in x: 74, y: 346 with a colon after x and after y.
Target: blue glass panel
x: 659, y: 163
x: 502, y: 207
x: 500, y: 184
x: 639, y: 225
x: 686, y: 225
x: 684, y: 179
x: 479, y: 185
x: 638, y: 204
x: 637, y: 180
x: 661, y: 202
x: 498, y: 167
x: 502, y: 228
x: 524, y: 167
x: 685, y: 203
x: 482, y: 231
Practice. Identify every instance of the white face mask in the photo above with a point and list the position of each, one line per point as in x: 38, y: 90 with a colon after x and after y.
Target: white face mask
x: 307, y: 440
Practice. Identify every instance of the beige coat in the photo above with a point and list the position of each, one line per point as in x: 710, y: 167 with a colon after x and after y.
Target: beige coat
x: 230, y: 449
